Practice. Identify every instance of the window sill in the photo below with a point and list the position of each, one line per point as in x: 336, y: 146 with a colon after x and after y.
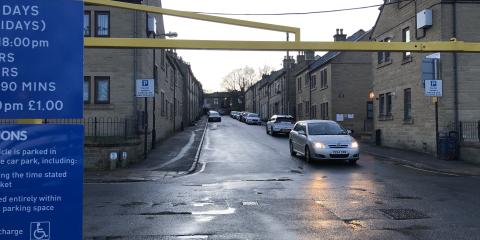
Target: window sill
x: 407, y: 59
x: 384, y: 64
x: 385, y: 118
x: 98, y: 106
x: 408, y: 121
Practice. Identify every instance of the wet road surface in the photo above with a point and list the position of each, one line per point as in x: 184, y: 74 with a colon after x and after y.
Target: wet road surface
x: 247, y: 186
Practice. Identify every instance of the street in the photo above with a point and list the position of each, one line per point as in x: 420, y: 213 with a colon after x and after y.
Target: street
x: 247, y: 186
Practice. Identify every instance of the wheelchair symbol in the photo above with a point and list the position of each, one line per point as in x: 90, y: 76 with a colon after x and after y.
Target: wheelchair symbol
x: 40, y: 231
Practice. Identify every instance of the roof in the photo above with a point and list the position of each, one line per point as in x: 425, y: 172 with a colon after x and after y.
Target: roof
x: 360, y: 34
x: 316, y: 121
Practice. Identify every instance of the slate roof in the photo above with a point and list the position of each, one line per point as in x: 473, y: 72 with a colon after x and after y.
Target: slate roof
x: 360, y: 34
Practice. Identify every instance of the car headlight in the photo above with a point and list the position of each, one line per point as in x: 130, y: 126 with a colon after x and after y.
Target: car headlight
x: 320, y: 145
x: 354, y: 145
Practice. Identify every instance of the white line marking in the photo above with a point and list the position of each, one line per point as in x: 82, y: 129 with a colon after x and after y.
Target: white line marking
x: 180, y: 155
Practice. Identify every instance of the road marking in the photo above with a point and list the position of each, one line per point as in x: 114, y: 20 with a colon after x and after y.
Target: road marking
x: 429, y: 171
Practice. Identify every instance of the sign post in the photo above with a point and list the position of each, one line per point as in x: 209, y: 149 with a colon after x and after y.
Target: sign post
x: 145, y: 88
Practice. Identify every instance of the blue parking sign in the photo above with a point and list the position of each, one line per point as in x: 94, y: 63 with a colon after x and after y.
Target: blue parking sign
x: 41, y: 182
x: 41, y: 59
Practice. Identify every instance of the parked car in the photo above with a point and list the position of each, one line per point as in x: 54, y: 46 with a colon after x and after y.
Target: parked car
x: 280, y: 124
x: 252, y: 118
x: 214, y: 117
x: 233, y: 113
x: 242, y: 116
x: 323, y: 140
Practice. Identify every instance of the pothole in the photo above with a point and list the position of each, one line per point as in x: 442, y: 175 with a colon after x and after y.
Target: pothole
x: 404, y: 214
x: 355, y: 224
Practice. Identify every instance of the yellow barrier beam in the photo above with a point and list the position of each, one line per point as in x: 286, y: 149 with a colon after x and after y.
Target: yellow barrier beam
x: 452, y: 46
x: 29, y: 121
x: 197, y: 16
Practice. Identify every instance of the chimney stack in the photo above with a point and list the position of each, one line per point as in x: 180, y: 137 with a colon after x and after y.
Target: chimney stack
x: 340, y: 36
x: 300, y: 57
x: 288, y: 62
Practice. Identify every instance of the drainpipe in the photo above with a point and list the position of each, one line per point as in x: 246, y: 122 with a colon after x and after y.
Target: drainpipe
x: 455, y: 65
x: 135, y: 103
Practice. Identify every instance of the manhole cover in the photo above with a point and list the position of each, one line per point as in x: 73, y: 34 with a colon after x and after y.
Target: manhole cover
x: 250, y: 203
x: 404, y: 214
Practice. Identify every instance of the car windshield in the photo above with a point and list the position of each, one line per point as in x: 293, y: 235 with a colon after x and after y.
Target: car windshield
x: 253, y: 115
x: 326, y: 128
x: 284, y: 120
x: 214, y: 114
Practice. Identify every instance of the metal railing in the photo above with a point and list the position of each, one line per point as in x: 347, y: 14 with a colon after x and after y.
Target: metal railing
x: 468, y: 131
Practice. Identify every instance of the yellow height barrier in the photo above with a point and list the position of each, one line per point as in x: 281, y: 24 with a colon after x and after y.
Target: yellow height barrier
x: 445, y: 46
x: 197, y: 16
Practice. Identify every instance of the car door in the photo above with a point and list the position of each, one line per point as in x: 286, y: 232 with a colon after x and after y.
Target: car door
x: 302, y: 139
x: 295, y: 136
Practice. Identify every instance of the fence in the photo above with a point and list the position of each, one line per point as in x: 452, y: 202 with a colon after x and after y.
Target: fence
x: 468, y: 131
x: 100, y: 128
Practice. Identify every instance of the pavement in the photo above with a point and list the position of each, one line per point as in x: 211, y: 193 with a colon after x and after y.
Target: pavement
x: 172, y: 157
x: 422, y: 161
x: 247, y: 186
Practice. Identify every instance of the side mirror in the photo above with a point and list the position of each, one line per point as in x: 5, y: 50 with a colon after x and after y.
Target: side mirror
x: 350, y: 132
x: 301, y: 132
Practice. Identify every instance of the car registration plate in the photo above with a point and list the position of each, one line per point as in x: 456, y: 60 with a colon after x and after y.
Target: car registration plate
x: 339, y: 152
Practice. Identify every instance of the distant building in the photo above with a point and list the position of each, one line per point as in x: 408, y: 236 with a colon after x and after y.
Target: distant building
x: 336, y: 87
x: 224, y: 102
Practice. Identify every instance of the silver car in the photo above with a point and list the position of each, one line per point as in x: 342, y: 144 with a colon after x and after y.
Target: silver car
x: 280, y: 124
x: 323, y: 140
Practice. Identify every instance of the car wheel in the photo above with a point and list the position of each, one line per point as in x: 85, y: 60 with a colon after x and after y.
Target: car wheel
x: 266, y: 130
x: 308, y: 157
x: 292, y: 152
x: 352, y: 162
x: 271, y: 130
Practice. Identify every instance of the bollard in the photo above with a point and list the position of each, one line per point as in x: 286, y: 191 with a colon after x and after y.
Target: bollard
x: 113, y: 160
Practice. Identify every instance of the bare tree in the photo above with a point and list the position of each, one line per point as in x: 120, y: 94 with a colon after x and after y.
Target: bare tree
x: 242, y: 78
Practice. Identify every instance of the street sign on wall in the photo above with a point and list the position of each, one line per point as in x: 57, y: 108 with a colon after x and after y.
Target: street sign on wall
x: 433, y: 88
x: 41, y: 182
x: 145, y: 88
x: 41, y: 59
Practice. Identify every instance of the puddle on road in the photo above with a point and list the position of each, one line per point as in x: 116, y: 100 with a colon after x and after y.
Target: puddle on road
x: 202, y: 204
x: 216, y: 212
x: 193, y: 237
x: 203, y: 219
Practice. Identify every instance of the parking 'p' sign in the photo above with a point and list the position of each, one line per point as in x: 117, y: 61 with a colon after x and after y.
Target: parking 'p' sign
x: 41, y: 59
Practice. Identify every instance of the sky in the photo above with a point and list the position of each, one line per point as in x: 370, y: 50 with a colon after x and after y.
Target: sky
x: 210, y: 67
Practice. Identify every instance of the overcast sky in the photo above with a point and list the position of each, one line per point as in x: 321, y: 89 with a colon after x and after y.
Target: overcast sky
x: 211, y: 66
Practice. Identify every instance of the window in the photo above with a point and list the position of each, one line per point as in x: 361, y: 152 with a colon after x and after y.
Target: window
x: 389, y: 104
x: 384, y: 57
x: 381, y: 105
x: 324, y: 111
x: 215, y: 101
x: 162, y: 102
x: 300, y: 109
x: 87, y: 24
x: 323, y: 78
x: 102, y: 24
x: 299, y: 84
x: 369, y: 110
x: 307, y: 84
x: 407, y: 104
x: 406, y: 38
x: 86, y: 89
x: 102, y: 90
x: 313, y: 81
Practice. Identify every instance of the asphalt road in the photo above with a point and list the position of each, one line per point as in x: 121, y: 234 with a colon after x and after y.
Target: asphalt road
x: 247, y: 186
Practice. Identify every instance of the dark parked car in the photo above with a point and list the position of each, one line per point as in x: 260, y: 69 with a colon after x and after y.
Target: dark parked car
x: 214, y: 117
